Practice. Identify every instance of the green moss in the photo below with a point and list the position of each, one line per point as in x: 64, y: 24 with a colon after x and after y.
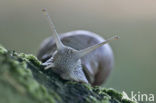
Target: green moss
x: 2, y: 50
x: 22, y: 76
x: 114, y: 94
x: 30, y: 57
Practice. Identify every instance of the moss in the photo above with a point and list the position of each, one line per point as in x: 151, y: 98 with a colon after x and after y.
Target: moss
x: 114, y: 94
x: 2, y: 50
x: 30, y: 57
x: 22, y: 76
x: 21, y: 79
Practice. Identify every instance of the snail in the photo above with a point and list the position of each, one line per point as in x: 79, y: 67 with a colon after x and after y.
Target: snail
x: 79, y: 55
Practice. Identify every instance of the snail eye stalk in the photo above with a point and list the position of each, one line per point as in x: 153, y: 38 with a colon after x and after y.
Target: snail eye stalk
x: 83, y: 52
x: 59, y: 44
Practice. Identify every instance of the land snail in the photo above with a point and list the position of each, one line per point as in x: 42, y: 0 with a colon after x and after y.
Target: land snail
x: 79, y: 55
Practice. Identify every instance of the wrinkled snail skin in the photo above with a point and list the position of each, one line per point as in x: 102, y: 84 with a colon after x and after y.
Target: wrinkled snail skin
x: 94, y: 67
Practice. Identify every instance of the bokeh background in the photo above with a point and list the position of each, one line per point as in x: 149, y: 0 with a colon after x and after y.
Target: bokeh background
x: 23, y: 27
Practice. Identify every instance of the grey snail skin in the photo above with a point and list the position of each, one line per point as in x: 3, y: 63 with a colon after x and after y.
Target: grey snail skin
x: 79, y: 55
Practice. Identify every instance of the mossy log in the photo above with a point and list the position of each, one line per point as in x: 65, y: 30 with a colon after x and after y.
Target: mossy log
x: 23, y: 80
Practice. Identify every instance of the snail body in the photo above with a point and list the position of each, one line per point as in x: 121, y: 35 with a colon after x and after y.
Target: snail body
x: 80, y: 56
x: 96, y: 65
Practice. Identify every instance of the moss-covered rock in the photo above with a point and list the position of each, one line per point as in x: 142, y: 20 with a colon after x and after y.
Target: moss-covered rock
x: 23, y: 80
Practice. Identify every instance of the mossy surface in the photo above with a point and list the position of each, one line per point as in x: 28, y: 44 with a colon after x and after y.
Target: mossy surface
x: 23, y: 80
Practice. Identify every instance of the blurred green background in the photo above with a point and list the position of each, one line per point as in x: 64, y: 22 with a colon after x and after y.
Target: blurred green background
x: 23, y: 27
